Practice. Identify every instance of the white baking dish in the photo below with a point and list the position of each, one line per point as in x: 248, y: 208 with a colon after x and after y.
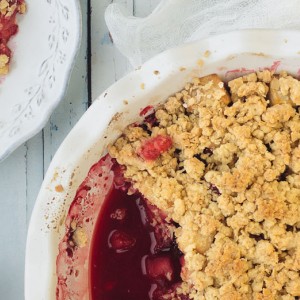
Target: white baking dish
x: 119, y: 106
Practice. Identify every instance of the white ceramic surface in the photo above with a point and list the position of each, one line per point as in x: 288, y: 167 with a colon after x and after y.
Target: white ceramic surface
x: 104, y: 121
x: 43, y: 53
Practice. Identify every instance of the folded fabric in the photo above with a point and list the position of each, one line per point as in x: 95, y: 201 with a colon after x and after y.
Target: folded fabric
x: 174, y: 22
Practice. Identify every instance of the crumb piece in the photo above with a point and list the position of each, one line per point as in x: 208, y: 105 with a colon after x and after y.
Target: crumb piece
x: 285, y: 89
x: 194, y: 168
x: 4, y: 62
x: 207, y: 53
x: 79, y: 237
x: 200, y: 62
x: 59, y: 188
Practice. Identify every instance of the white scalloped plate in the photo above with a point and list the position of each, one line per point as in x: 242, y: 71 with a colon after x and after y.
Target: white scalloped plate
x: 104, y: 121
x: 43, y: 53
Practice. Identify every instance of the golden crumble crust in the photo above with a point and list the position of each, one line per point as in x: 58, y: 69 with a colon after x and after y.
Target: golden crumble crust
x: 4, y: 61
x: 10, y: 7
x: 231, y: 182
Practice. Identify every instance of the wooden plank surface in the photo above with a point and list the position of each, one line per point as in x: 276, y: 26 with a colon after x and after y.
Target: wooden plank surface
x: 22, y: 173
x: 108, y: 64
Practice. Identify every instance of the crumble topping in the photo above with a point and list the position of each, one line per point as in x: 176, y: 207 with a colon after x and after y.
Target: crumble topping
x: 8, y: 27
x: 9, y: 7
x: 230, y: 179
x: 4, y: 60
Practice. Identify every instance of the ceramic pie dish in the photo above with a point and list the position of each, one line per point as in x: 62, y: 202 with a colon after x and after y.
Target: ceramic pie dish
x: 230, y: 55
x: 43, y: 51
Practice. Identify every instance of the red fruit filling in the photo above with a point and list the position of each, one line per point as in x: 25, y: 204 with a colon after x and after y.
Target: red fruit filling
x: 151, y: 120
x: 154, y: 147
x: 146, y: 110
x: 159, y: 267
x: 133, y: 252
x: 120, y: 241
x: 8, y: 27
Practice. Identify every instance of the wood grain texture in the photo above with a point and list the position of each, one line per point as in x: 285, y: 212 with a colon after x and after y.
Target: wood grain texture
x: 13, y: 224
x: 22, y: 173
x: 108, y: 64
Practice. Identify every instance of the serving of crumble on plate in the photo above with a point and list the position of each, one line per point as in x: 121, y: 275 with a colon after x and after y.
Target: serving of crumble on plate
x: 9, y: 9
x: 37, y: 52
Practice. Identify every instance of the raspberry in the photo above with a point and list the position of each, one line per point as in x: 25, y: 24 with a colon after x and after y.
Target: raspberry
x: 154, y: 147
x: 120, y: 241
x: 160, y: 267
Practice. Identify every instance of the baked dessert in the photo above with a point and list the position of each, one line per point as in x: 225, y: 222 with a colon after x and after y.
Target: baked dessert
x: 203, y: 199
x: 9, y: 9
x: 223, y: 165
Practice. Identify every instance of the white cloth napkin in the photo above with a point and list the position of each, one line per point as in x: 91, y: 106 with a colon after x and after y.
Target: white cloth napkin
x: 174, y: 22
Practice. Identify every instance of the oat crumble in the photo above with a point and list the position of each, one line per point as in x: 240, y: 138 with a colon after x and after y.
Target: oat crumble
x: 231, y: 180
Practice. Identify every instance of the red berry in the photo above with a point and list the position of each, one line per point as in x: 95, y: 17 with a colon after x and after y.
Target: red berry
x: 160, y: 267
x: 151, y: 120
x: 120, y: 241
x: 8, y: 27
x: 182, y: 261
x: 154, y: 147
x: 145, y: 110
x: 119, y: 214
x: 4, y: 49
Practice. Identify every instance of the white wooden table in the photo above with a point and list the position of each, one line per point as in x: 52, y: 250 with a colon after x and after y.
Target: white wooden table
x: 22, y: 173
